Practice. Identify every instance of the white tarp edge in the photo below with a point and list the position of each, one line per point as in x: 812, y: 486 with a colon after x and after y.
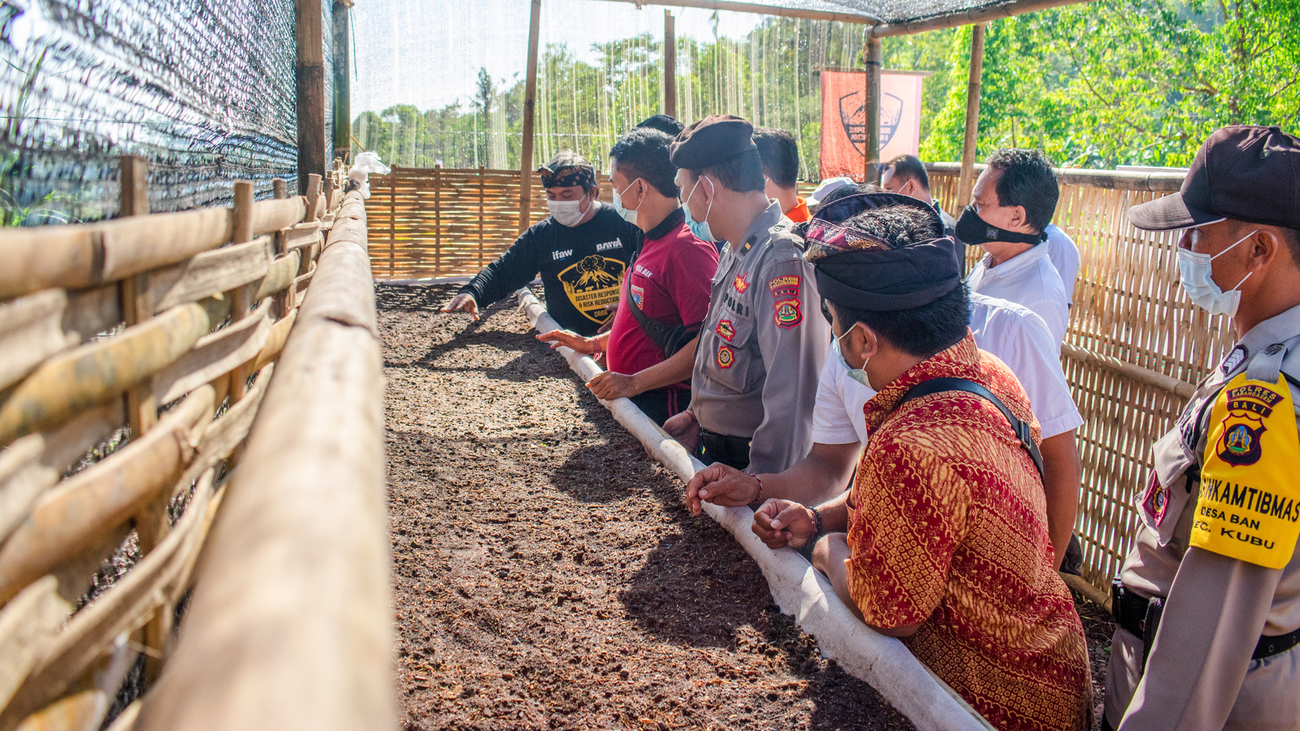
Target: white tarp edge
x: 798, y: 589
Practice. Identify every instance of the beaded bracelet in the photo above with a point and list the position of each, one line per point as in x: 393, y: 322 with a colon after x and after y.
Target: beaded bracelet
x: 817, y: 522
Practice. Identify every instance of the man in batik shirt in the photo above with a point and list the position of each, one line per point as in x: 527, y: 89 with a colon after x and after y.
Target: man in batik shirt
x: 943, y: 539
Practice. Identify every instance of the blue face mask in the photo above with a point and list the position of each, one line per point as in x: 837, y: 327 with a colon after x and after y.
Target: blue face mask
x: 628, y: 214
x: 857, y: 374
x: 699, y: 228
x: 1194, y: 273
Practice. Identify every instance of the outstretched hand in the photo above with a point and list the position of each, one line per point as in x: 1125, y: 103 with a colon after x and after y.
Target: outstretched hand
x: 721, y: 485
x: 781, y: 523
x: 463, y: 302
x: 569, y: 339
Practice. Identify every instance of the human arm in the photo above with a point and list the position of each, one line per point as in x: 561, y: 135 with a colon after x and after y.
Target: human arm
x: 462, y: 302
x: 780, y: 523
x: 510, y: 271
x: 674, y: 369
x: 575, y: 342
x: 1062, y: 475
x: 685, y: 429
x: 792, y: 339
x: 820, y: 476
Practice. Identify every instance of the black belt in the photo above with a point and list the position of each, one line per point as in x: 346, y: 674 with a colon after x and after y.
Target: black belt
x: 1141, y: 617
x: 731, y: 451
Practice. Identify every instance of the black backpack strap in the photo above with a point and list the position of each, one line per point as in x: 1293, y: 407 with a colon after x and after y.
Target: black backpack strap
x: 939, y: 385
x: 669, y: 338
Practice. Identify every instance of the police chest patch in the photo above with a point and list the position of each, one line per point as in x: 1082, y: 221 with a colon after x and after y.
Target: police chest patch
x: 725, y: 330
x: 638, y: 295
x: 1249, y: 502
x: 726, y: 357
x: 1156, y: 500
x: 787, y: 313
x: 741, y: 282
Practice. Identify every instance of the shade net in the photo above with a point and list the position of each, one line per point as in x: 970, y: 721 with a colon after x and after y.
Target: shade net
x: 203, y: 90
x: 442, y: 83
x: 884, y: 11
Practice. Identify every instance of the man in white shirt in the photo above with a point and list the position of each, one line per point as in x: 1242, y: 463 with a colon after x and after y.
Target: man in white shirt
x: 1009, y: 331
x: 1014, y: 200
x: 1064, y: 254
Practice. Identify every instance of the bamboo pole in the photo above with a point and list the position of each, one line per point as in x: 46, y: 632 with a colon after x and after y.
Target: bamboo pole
x: 871, y: 108
x: 530, y: 111
x: 971, y: 140
x: 342, y: 80
x: 97, y: 372
x: 291, y: 625
x: 68, y: 520
x: 798, y: 589
x: 309, y: 70
x: 670, y: 64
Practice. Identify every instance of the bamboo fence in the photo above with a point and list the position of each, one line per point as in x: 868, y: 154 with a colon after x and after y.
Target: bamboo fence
x: 1134, y: 350
x: 444, y: 222
x: 136, y: 356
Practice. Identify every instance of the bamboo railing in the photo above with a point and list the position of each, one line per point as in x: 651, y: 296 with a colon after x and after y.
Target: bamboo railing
x: 136, y: 356
x: 1135, y: 347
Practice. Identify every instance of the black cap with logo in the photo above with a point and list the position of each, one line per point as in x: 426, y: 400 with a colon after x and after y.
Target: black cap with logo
x: 1245, y: 173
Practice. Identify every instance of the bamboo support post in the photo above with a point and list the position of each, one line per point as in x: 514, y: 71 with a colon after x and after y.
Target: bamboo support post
x: 291, y: 625
x: 309, y: 70
x: 141, y: 408
x: 342, y: 79
x: 530, y: 108
x: 670, y: 64
x: 873, y: 55
x: 796, y: 586
x: 481, y: 172
x: 971, y: 140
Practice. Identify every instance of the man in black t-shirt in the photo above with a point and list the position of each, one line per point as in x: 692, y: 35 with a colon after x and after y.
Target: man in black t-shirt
x: 580, y: 250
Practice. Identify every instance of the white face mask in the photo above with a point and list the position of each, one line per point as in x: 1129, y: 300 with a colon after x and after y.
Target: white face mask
x: 857, y: 374
x: 1194, y: 273
x: 567, y: 213
x: 628, y: 214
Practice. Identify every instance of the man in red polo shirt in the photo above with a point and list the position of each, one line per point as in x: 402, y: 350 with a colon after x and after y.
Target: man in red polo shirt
x: 650, y: 350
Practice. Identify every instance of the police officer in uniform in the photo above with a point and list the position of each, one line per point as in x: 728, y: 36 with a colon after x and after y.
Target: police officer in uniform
x: 763, y: 343
x: 1208, y: 605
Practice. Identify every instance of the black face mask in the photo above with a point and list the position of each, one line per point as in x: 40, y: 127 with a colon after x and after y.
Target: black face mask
x: 973, y: 231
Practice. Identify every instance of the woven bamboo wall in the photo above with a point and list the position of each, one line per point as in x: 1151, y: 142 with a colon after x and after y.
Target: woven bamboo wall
x: 444, y: 222
x: 1135, y: 347
x: 195, y: 383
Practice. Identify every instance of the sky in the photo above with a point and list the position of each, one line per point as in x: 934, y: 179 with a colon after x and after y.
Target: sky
x: 428, y: 52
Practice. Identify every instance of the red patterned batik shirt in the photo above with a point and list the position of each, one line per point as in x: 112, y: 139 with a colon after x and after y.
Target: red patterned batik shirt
x: 949, y: 531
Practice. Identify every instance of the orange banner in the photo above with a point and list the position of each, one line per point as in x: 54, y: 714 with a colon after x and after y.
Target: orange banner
x: 843, y: 132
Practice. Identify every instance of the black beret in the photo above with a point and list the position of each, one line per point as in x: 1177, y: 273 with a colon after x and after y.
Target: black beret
x: 712, y: 140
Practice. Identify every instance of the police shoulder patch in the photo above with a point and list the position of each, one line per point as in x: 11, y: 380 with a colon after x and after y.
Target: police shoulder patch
x: 1249, y: 502
x: 785, y: 286
x: 787, y: 313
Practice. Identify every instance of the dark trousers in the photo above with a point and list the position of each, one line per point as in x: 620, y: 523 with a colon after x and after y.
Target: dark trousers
x: 662, y: 403
x: 731, y: 451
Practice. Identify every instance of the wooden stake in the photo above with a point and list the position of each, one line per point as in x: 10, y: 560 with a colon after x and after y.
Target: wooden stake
x: 243, y: 231
x: 871, y: 107
x: 310, y: 73
x: 141, y: 407
x: 967, y: 178
x: 670, y: 64
x: 530, y: 108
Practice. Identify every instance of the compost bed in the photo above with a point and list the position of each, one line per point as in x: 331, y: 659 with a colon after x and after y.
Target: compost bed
x: 546, y: 575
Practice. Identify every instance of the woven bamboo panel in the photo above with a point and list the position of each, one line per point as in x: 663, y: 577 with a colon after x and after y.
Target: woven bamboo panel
x: 1128, y: 309
x: 446, y: 222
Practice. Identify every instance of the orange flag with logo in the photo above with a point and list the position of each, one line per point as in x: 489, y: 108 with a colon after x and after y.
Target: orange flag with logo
x: 844, y: 133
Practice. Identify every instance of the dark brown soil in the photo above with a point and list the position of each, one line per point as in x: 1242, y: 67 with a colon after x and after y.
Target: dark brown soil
x: 546, y: 574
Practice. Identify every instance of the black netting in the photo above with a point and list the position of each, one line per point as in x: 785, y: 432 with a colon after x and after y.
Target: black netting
x: 204, y: 90
x: 887, y: 11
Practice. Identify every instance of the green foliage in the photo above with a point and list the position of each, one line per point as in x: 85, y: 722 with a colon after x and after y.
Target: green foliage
x: 1111, y: 82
